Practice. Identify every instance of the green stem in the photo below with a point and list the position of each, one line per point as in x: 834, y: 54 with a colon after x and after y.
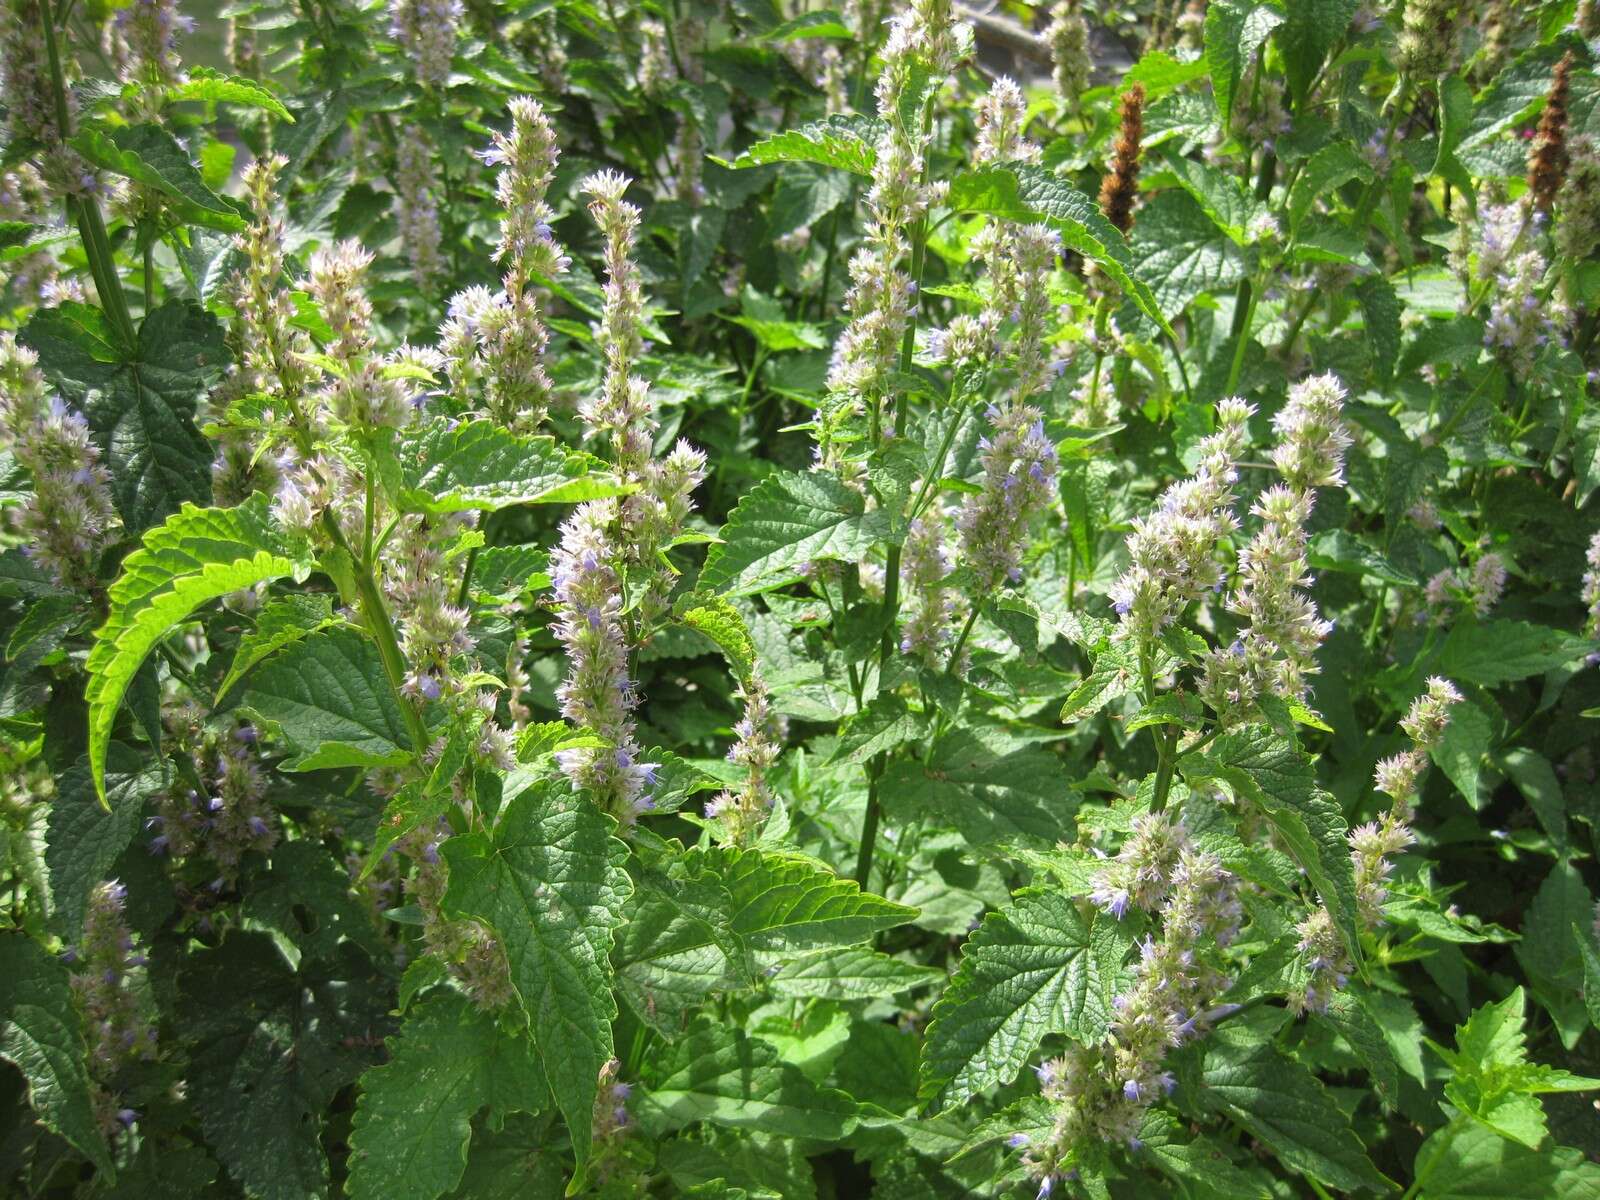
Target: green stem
x: 149, y: 276
x: 85, y: 209
x: 1250, y: 293
x: 379, y: 624
x: 869, y: 832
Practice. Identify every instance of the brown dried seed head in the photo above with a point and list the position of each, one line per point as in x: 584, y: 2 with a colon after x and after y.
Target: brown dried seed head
x: 1120, y: 187
x: 1547, y: 165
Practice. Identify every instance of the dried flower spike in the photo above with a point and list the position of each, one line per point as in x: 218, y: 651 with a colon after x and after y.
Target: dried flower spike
x: 1120, y: 188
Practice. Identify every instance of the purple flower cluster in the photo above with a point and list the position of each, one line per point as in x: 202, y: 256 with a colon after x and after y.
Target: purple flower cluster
x: 416, y: 184
x: 118, y: 1020
x: 759, y: 736
x: 426, y: 29
x: 598, y: 696
x: 69, y: 517
x: 930, y: 609
x: 225, y: 818
x: 1019, y: 473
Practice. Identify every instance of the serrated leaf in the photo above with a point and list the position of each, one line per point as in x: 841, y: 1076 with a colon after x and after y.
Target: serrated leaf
x: 549, y: 882
x: 1040, y: 966
x: 1489, y: 653
x: 213, y: 87
x: 1284, y: 1106
x: 1197, y: 1161
x: 1220, y: 196
x: 676, y: 948
x: 1268, y: 771
x: 328, y: 697
x: 1472, y: 1162
x: 849, y: 973
x: 1553, y: 965
x: 724, y: 626
x: 454, y: 466
x: 83, y: 839
x: 281, y: 623
x: 269, y: 1048
x: 1327, y: 169
x: 717, y: 1073
x: 846, y: 141
x: 1177, y: 247
x: 785, y: 902
x: 1234, y: 31
x: 197, y: 556
x: 1022, y: 192
x: 152, y: 157
x: 141, y: 402
x: 788, y: 520
x: 39, y: 1034
x: 884, y: 724
x: 413, y: 1123
x: 993, y: 791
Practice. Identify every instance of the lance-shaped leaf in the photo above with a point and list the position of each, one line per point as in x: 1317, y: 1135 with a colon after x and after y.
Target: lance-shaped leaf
x: 789, y: 520
x: 328, y: 698
x: 719, y: 1074
x: 846, y: 141
x: 1039, y: 966
x: 785, y: 902
x: 1268, y: 771
x: 452, y: 467
x: 413, y: 1123
x: 152, y: 157
x: 39, y: 1033
x: 1022, y: 192
x: 549, y: 881
x: 198, y: 555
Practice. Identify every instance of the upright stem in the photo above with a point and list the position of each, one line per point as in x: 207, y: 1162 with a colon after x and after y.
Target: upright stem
x: 85, y: 209
x: 891, y: 566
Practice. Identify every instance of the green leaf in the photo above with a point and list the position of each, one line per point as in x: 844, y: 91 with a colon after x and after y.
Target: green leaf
x: 1284, y: 1106
x: 549, y: 881
x: 1380, y: 313
x: 1234, y: 32
x: 824, y: 23
x: 1220, y: 196
x: 328, y: 697
x: 1177, y: 247
x: 885, y: 723
x: 1460, y: 754
x: 676, y: 948
x: 723, y: 624
x: 1197, y: 1161
x: 848, y: 142
x: 785, y: 902
x: 1471, y: 1162
x: 213, y: 87
x: 452, y: 466
x: 1269, y: 772
x: 269, y: 1048
x: 1042, y: 965
x: 152, y: 157
x: 1021, y: 192
x: 198, y: 555
x: 788, y: 520
x: 82, y: 839
x: 1495, y: 652
x: 1348, y: 1013
x: 39, y: 1034
x: 991, y: 789
x: 849, y: 973
x: 140, y: 403
x: 1310, y: 29
x: 1546, y: 952
x: 1329, y: 168
x: 1536, y: 780
x: 778, y: 336
x: 281, y: 623
x: 717, y: 1073
x: 413, y: 1122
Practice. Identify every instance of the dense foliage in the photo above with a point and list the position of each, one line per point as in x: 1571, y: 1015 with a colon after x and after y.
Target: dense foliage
x: 726, y: 600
